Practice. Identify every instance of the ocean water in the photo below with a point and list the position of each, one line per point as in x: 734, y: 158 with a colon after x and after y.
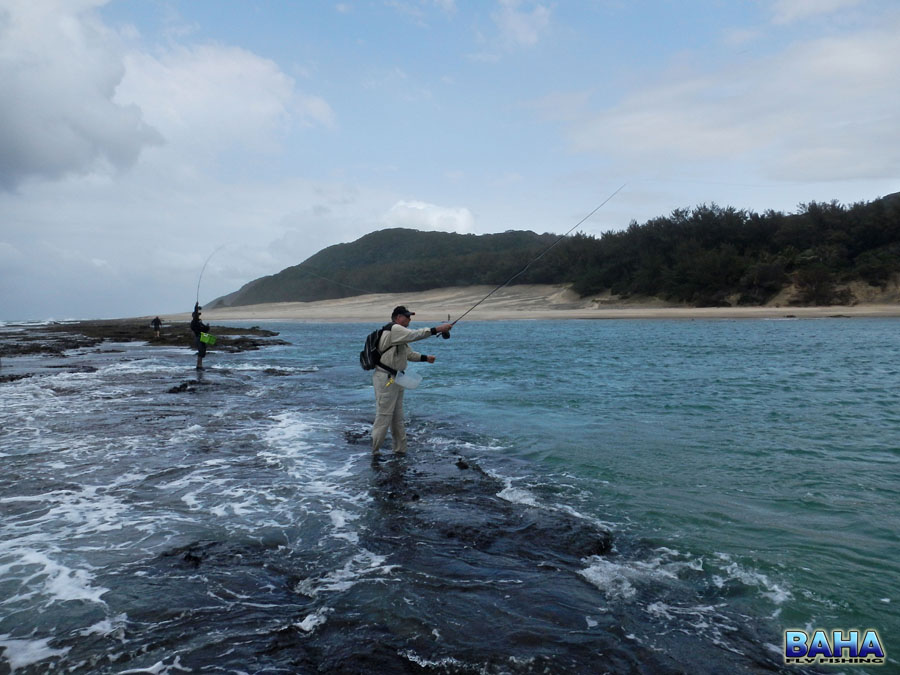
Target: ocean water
x: 580, y: 496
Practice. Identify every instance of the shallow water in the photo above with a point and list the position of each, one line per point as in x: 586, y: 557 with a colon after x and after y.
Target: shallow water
x: 744, y: 473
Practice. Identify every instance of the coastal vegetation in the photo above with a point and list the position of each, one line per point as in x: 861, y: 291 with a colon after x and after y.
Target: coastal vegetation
x: 703, y: 256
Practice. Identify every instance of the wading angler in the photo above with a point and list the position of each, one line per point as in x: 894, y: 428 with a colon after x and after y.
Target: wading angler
x: 387, y: 352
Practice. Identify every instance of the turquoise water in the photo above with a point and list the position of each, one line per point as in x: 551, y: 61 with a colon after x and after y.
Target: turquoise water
x: 767, y: 450
x: 748, y: 473
x: 765, y: 454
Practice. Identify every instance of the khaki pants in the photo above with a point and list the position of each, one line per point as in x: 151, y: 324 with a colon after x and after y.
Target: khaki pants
x: 388, y: 412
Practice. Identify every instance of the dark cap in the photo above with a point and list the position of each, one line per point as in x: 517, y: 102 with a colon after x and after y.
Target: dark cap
x: 401, y: 310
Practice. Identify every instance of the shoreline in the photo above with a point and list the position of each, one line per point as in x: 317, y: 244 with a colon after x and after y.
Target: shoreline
x: 518, y: 303
x: 527, y: 303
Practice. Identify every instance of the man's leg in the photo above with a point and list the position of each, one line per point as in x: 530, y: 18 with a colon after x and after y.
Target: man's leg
x: 398, y: 429
x: 385, y: 400
x: 201, y: 352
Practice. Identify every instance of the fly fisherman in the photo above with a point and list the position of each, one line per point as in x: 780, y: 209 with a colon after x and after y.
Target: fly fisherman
x: 197, y: 326
x: 395, y: 353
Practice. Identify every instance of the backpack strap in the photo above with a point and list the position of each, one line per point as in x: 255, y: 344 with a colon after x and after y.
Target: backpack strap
x: 390, y: 370
x: 393, y: 373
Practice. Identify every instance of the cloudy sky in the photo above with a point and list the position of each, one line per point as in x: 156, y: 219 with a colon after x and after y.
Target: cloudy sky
x: 139, y: 136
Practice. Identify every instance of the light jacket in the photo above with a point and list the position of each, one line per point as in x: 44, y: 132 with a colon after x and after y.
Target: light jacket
x: 400, y: 337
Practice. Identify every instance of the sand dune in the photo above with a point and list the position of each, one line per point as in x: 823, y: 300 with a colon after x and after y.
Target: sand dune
x: 514, y: 302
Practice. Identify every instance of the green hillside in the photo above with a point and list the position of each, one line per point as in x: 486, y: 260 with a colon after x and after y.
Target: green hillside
x: 703, y: 256
x: 395, y: 260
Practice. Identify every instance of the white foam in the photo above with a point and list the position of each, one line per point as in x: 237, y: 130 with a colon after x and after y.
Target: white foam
x: 603, y: 524
x: 158, y: 668
x: 140, y: 367
x: 20, y: 326
x: 184, y: 481
x: 515, y: 495
x: 616, y: 577
x: 79, y: 513
x: 261, y: 367
x: 314, y: 620
x: 611, y: 578
x: 191, y: 433
x: 60, y: 583
x: 115, y: 625
x: 360, y: 566
x: 469, y: 447
x: 518, y: 496
x: 244, y: 501
x: 735, y: 572
x: 23, y: 653
x: 339, y: 520
x: 289, y: 436
x: 443, y: 664
x: 706, y: 620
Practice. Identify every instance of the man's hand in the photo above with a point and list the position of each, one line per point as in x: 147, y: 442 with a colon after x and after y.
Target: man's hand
x: 430, y: 359
x: 443, y: 328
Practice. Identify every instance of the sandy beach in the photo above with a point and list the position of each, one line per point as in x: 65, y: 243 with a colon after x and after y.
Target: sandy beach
x: 525, y: 302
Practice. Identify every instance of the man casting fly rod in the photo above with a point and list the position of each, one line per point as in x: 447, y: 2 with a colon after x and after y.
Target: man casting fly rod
x: 387, y: 351
x: 394, y: 353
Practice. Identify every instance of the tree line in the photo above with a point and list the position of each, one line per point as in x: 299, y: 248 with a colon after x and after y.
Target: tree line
x: 703, y: 256
x: 713, y: 256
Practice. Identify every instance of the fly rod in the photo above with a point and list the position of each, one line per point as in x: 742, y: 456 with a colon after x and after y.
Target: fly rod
x: 204, y: 269
x: 540, y: 255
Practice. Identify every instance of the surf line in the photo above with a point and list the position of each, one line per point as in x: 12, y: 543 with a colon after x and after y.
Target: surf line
x: 536, y: 258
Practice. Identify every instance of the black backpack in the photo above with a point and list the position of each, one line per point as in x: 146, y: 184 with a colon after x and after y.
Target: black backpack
x: 370, y: 356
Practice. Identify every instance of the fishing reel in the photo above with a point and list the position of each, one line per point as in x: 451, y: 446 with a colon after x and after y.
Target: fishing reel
x: 446, y: 335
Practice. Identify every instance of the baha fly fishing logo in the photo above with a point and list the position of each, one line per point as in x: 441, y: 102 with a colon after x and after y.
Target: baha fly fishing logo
x: 837, y: 647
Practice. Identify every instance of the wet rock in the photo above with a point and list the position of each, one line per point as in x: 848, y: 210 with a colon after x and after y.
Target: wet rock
x: 15, y: 377
x: 188, y: 386
x: 55, y: 338
x: 356, y: 437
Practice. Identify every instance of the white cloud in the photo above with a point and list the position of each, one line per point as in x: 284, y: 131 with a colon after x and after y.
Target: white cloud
x: 218, y: 97
x: 81, y: 98
x: 790, y: 11
x: 822, y: 110
x: 423, y: 216
x: 154, y: 231
x: 59, y: 70
x: 519, y: 27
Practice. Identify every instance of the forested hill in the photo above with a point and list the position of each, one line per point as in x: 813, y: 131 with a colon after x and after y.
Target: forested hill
x: 703, y: 256
x: 395, y: 260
